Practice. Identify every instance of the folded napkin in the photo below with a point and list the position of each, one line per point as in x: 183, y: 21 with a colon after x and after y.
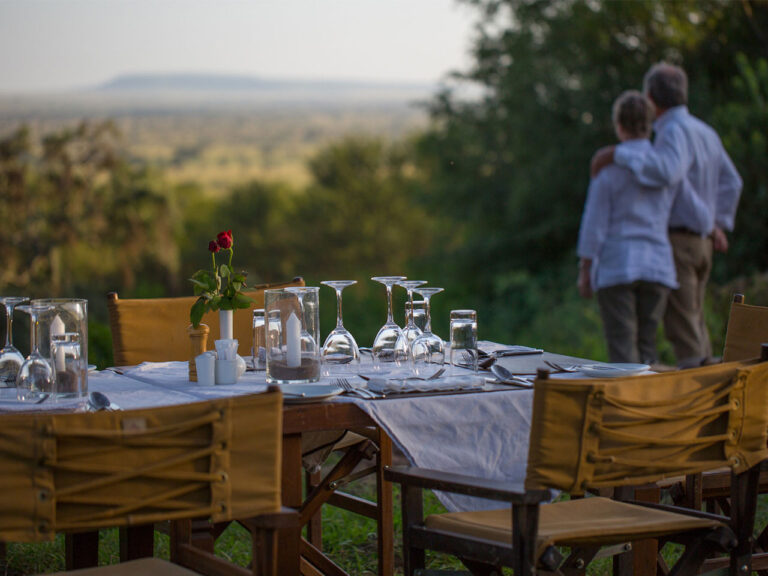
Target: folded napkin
x: 404, y: 385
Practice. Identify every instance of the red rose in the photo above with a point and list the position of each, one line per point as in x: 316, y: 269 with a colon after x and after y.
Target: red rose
x: 224, y: 239
x: 213, y: 247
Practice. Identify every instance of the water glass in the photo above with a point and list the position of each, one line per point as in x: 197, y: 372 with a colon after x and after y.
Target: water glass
x: 419, y: 313
x: 464, y: 339
x: 69, y: 365
x: 259, y: 350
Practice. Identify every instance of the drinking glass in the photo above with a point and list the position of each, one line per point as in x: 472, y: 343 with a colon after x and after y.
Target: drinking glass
x: 384, y: 344
x: 419, y: 313
x: 36, y: 377
x: 10, y: 357
x: 69, y: 364
x: 411, y: 331
x: 427, y: 351
x: 259, y: 351
x: 340, y: 351
x: 464, y: 339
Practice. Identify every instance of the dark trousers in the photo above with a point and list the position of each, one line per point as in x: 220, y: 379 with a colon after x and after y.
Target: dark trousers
x: 631, y: 314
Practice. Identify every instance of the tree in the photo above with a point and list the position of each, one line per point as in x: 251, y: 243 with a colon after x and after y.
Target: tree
x: 508, y: 170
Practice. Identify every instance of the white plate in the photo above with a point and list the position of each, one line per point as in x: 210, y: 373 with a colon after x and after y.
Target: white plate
x: 613, y: 370
x: 301, y: 393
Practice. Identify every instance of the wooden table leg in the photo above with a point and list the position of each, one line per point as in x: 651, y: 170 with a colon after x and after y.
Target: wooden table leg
x: 289, y: 539
x: 315, y: 524
x: 386, y: 528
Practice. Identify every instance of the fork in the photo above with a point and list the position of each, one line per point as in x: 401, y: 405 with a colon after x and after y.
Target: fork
x: 345, y: 385
x: 563, y: 368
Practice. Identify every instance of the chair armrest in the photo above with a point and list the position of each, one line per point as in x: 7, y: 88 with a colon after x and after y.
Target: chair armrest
x: 469, y: 485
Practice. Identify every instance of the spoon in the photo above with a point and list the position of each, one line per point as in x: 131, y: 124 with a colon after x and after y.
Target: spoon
x: 98, y: 402
x: 506, y: 377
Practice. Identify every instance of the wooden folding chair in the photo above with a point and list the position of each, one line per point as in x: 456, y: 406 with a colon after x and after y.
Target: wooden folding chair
x: 594, y: 434
x: 217, y: 460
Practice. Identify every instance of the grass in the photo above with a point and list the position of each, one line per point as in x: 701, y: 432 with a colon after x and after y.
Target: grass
x: 349, y: 540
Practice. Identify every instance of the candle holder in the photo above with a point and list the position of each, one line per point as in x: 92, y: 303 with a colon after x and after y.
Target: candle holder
x: 65, y: 316
x: 292, y: 335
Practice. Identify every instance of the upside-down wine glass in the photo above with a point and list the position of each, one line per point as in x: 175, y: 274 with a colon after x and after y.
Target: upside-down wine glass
x: 340, y: 351
x: 384, y: 344
x: 10, y: 357
x: 427, y: 351
x: 36, y: 377
x: 411, y: 331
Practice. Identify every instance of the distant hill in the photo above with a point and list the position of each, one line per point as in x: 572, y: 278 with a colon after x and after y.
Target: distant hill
x: 228, y: 83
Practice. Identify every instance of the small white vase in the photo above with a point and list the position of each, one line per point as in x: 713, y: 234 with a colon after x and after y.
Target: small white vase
x: 225, y: 324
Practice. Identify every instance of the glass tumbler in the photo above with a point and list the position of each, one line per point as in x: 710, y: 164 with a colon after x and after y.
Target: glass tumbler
x: 259, y: 339
x: 463, y: 339
x: 69, y: 365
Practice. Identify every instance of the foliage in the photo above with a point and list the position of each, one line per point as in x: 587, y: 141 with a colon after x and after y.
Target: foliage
x: 76, y: 214
x: 486, y: 201
x: 743, y: 125
x: 509, y: 170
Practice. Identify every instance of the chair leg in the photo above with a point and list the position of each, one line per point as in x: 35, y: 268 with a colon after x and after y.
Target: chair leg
x: 525, y: 526
x: 479, y: 569
x: 413, y: 514
x: 744, y: 488
x: 81, y: 550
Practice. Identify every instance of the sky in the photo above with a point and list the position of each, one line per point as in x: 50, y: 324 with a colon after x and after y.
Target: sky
x: 69, y: 44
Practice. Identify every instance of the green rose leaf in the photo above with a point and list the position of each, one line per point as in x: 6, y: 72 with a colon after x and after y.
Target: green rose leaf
x: 225, y: 271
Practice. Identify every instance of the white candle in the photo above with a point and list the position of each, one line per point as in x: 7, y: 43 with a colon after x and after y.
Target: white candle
x: 293, y: 341
x: 58, y: 329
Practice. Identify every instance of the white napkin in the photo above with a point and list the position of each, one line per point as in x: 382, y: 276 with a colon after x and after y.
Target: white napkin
x: 226, y: 349
x: 403, y: 386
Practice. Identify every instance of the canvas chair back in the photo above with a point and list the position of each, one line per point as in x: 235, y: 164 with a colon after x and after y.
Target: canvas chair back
x: 628, y: 431
x: 83, y: 471
x: 155, y: 329
x: 747, y: 330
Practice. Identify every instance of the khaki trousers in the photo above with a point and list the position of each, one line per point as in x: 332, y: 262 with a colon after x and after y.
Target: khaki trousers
x: 684, y: 323
x: 631, y: 314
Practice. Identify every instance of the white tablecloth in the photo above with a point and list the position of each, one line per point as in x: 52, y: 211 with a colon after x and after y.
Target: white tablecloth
x: 483, y: 434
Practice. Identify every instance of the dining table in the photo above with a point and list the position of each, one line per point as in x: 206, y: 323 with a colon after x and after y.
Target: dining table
x: 477, y: 428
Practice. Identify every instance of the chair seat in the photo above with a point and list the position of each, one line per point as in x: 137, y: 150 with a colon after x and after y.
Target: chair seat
x: 594, y: 520
x: 143, y: 567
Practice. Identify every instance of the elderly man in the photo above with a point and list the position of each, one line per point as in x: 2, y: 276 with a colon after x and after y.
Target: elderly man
x: 684, y: 147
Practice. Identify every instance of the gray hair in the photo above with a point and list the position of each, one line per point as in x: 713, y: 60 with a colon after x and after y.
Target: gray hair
x: 634, y: 113
x: 666, y: 85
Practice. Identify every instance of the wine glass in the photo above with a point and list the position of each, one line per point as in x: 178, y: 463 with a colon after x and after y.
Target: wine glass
x: 427, y: 351
x: 384, y: 344
x: 340, y: 350
x: 10, y: 357
x: 411, y: 331
x: 36, y: 377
